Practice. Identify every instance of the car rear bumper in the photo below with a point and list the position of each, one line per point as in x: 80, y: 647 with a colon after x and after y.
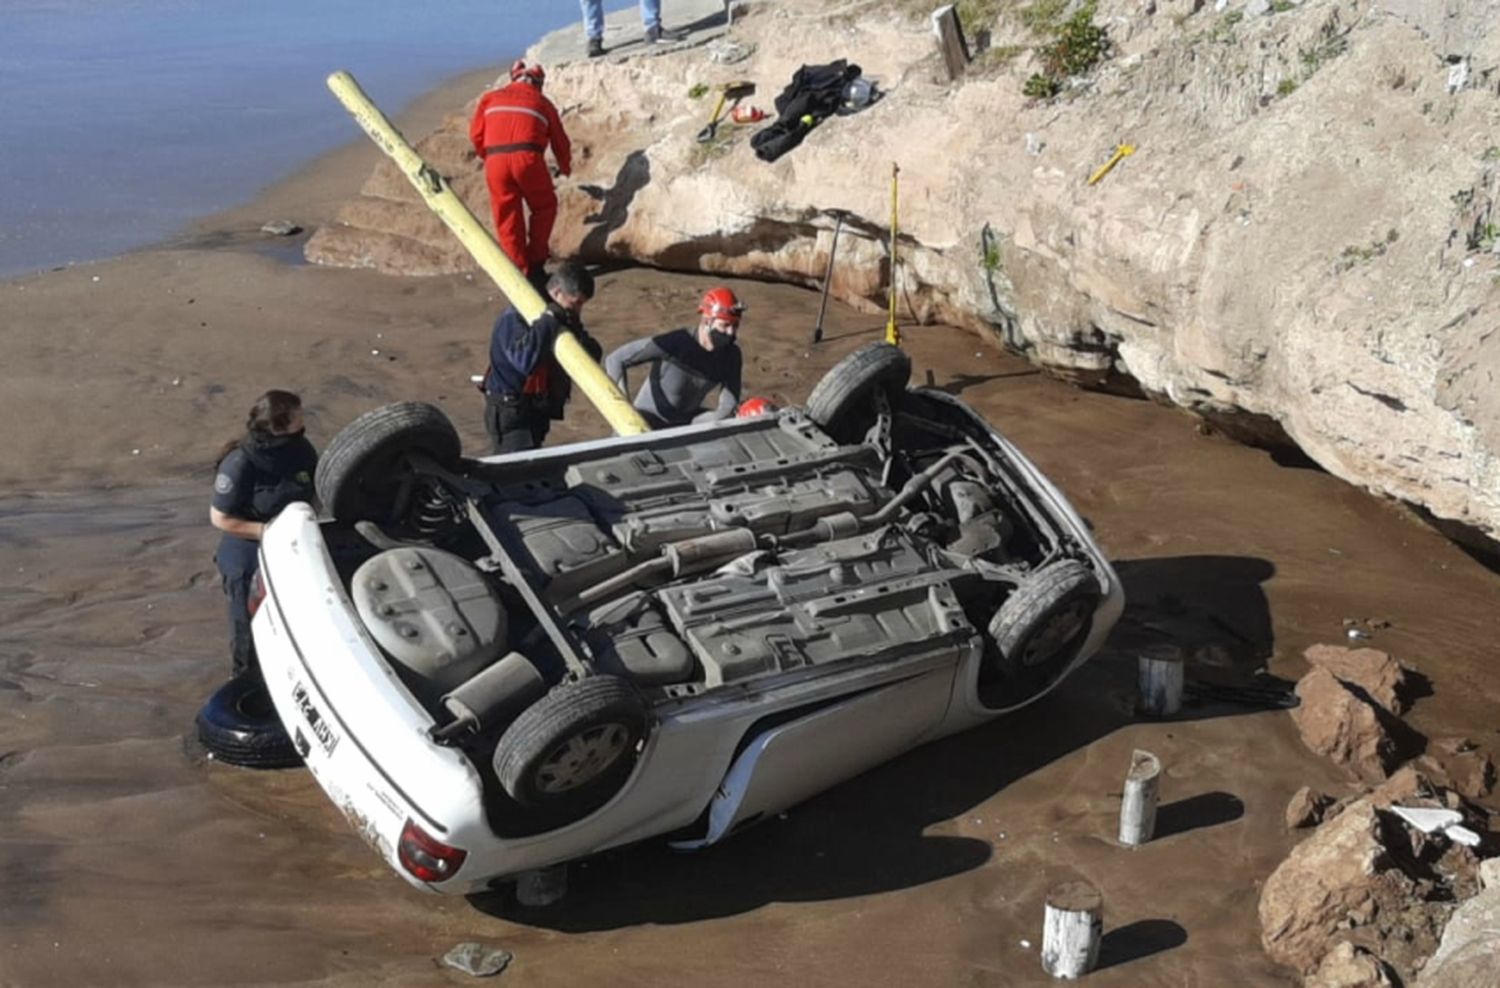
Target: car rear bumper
x: 361, y: 734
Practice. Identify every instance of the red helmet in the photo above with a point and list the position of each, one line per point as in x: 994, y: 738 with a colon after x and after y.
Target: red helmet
x: 720, y: 303
x: 534, y: 74
x: 751, y: 407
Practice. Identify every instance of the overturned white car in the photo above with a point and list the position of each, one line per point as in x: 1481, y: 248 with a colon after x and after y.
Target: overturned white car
x: 496, y: 665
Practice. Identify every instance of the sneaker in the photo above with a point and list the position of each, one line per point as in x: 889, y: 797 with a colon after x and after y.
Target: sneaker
x: 596, y: 47
x: 659, y: 35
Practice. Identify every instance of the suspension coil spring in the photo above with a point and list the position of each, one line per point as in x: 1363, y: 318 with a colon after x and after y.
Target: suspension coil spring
x: 434, y: 509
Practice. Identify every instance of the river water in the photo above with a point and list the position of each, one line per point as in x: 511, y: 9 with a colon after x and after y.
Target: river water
x: 122, y: 120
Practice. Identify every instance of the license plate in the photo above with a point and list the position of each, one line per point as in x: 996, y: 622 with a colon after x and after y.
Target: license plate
x: 326, y: 737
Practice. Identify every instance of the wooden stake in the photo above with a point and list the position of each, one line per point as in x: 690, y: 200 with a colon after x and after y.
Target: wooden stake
x: 1072, y: 927
x: 950, y: 38
x: 1138, y: 808
x: 1159, y: 681
x: 543, y: 886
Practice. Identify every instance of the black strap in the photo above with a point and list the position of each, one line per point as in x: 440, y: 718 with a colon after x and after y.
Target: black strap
x: 507, y: 148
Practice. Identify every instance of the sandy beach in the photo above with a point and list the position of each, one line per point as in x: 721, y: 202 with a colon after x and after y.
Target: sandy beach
x: 130, y: 859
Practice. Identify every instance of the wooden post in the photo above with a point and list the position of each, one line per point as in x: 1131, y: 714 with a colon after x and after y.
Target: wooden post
x: 542, y: 886
x: 1138, y: 808
x: 1072, y: 927
x: 1159, y: 681
x: 950, y: 38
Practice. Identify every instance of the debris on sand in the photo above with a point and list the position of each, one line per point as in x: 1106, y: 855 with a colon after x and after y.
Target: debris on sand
x: 281, y: 228
x: 475, y: 958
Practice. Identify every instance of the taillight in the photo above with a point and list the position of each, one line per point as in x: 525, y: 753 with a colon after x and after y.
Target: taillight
x: 257, y: 594
x: 426, y: 857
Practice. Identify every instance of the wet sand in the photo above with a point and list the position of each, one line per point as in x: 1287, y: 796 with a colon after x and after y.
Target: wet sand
x: 130, y: 860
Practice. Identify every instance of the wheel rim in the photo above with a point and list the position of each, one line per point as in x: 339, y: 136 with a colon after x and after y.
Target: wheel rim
x: 1060, y: 630
x: 581, y: 758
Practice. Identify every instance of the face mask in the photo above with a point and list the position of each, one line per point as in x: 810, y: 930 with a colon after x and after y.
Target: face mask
x: 720, y: 339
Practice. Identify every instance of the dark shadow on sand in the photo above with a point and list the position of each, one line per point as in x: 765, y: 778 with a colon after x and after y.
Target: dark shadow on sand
x: 960, y: 383
x: 1208, y: 809
x: 1212, y: 607
x: 1142, y: 938
x: 868, y: 835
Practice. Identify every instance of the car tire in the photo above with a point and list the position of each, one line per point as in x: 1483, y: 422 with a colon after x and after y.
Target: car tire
x: 1040, y: 628
x: 574, y: 748
x: 239, y: 726
x: 361, y: 473
x: 841, y: 403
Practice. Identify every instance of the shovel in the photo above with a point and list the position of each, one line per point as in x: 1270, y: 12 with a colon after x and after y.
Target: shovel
x: 732, y: 91
x: 838, y: 215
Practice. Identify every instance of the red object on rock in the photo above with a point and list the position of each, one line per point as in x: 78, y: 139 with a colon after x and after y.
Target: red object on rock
x: 751, y: 407
x: 748, y: 114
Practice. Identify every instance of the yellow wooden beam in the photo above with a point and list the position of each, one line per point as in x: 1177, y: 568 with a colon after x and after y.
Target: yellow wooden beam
x: 442, y: 200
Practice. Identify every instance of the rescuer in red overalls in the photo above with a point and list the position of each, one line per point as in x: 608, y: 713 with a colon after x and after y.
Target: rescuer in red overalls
x: 511, y: 129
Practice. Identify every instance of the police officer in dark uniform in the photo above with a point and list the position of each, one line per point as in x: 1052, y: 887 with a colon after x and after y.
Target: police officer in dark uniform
x: 258, y: 475
x: 524, y: 388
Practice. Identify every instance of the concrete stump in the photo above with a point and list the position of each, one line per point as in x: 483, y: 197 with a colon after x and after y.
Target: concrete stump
x: 1072, y: 928
x: 1138, y: 808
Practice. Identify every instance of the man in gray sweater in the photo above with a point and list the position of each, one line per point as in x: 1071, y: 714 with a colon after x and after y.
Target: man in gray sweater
x: 686, y: 365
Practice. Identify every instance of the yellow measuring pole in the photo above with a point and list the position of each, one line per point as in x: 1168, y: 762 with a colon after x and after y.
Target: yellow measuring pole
x: 1123, y: 151
x: 442, y: 200
x: 892, y: 334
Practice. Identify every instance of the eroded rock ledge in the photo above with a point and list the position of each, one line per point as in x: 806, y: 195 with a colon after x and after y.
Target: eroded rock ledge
x: 1302, y: 244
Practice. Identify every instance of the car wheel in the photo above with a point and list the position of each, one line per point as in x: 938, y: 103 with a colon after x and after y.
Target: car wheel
x: 844, y: 402
x: 1039, y: 629
x: 574, y: 747
x: 238, y: 725
x: 366, y: 473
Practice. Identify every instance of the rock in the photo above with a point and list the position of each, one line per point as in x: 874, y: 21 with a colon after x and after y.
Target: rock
x: 1356, y: 879
x: 1348, y: 966
x: 1338, y: 723
x: 1257, y: 8
x: 1306, y: 808
x: 281, y: 228
x: 1382, y: 678
x: 1469, y: 954
x: 1469, y: 770
x: 1489, y: 874
x: 477, y: 959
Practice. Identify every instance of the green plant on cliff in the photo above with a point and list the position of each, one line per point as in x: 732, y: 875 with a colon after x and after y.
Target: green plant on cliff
x: 1043, y: 16
x: 698, y: 90
x: 1077, y: 45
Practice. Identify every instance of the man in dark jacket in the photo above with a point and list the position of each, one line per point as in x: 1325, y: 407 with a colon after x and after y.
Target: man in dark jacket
x: 525, y: 388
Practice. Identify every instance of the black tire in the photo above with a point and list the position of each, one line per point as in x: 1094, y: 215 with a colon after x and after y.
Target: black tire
x: 362, y: 473
x: 842, y: 402
x: 1040, y: 628
x: 239, y: 726
x: 574, y: 748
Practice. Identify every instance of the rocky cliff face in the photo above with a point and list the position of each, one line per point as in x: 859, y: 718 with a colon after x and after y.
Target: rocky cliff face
x: 1302, y: 245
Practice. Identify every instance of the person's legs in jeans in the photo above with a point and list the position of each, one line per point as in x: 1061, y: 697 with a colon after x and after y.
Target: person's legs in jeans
x: 593, y: 18
x: 651, y: 14
x: 241, y: 643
